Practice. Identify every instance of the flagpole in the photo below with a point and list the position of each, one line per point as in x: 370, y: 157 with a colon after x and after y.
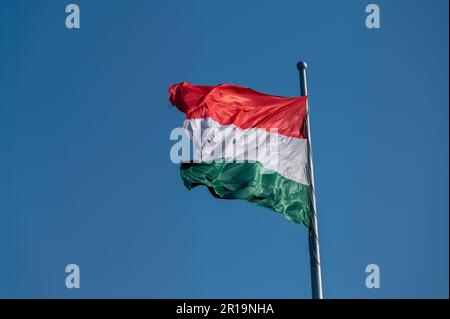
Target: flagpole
x: 314, y: 251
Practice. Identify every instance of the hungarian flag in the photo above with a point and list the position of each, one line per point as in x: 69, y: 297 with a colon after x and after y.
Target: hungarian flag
x: 247, y: 145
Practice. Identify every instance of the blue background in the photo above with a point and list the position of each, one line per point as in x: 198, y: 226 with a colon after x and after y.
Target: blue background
x: 85, y: 173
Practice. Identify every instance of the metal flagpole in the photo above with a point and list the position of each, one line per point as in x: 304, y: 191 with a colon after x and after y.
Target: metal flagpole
x: 314, y: 251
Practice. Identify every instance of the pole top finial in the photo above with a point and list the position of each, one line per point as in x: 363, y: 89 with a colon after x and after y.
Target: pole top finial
x: 301, y: 65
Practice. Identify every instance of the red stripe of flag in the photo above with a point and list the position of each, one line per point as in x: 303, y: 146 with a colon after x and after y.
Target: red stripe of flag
x: 243, y: 107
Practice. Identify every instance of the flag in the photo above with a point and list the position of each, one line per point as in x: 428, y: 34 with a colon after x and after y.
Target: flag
x: 247, y: 145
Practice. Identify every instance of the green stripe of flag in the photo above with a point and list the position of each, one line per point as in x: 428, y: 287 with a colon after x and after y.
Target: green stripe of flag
x: 250, y: 181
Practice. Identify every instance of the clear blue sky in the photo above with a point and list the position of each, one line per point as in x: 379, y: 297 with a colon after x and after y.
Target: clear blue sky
x: 85, y: 173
